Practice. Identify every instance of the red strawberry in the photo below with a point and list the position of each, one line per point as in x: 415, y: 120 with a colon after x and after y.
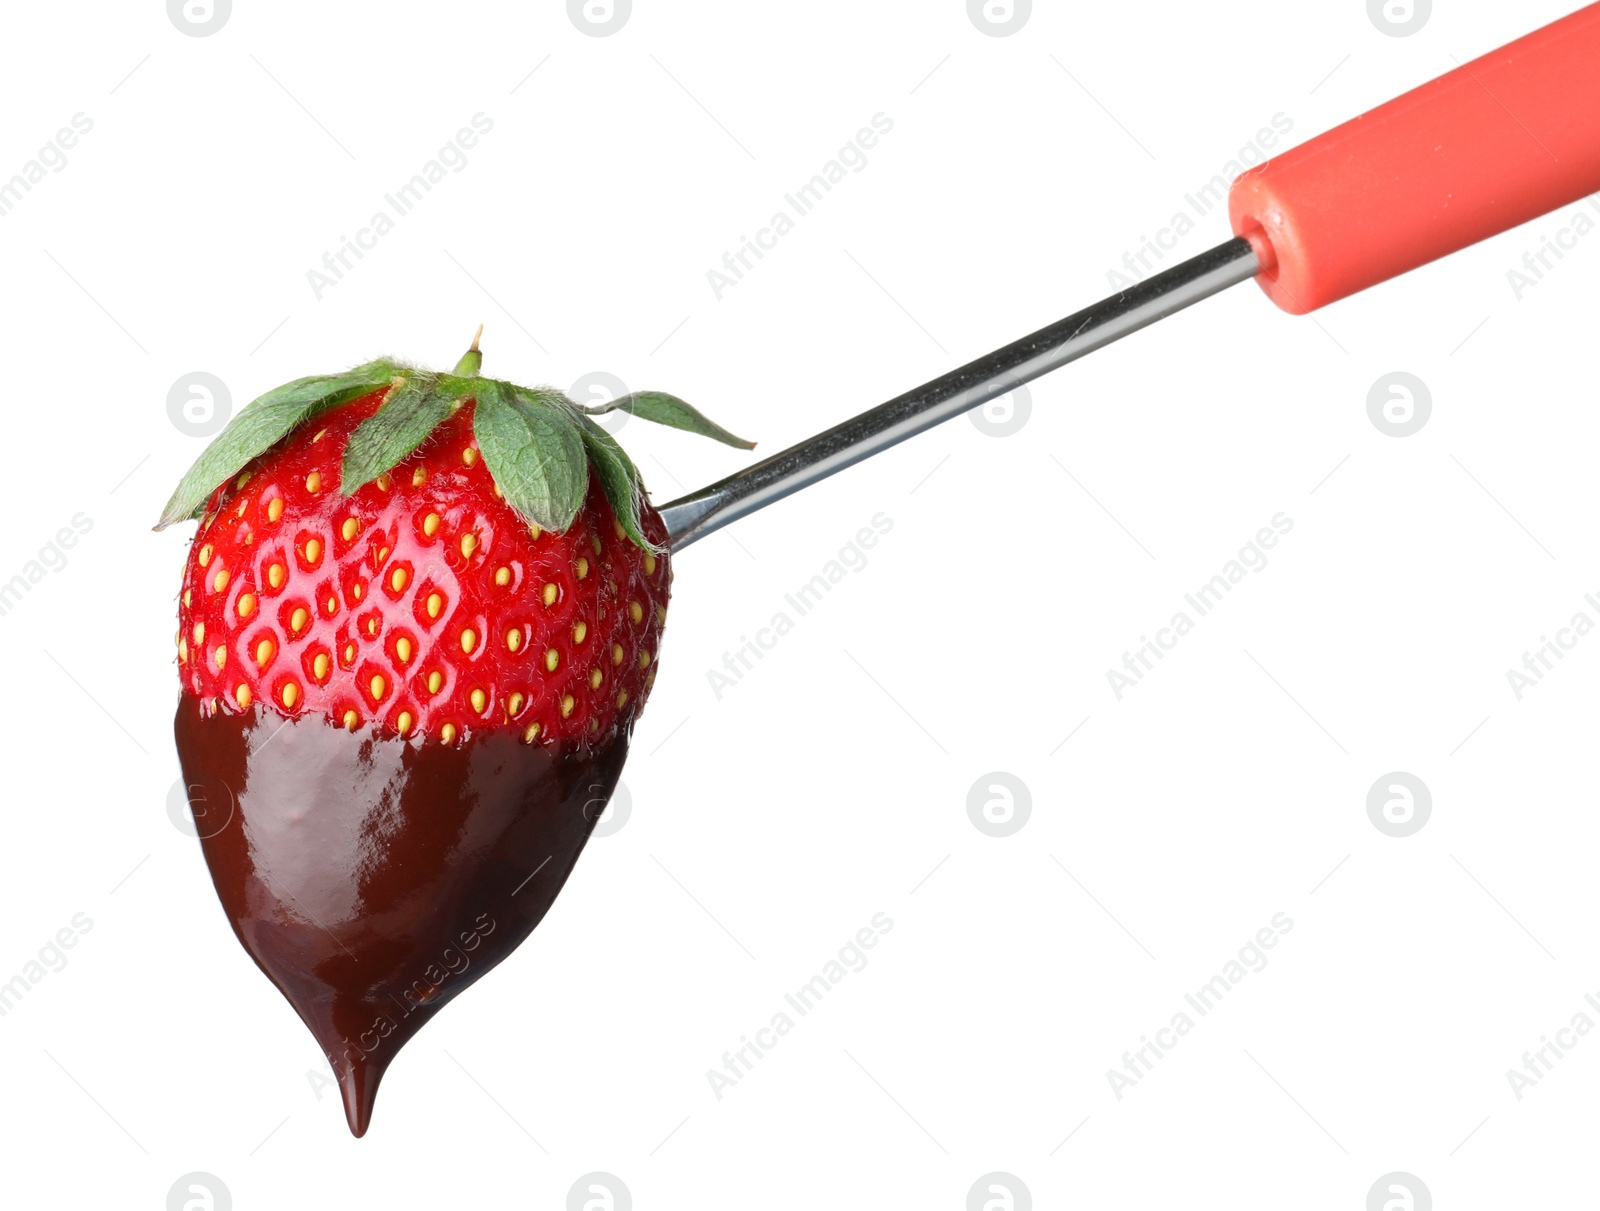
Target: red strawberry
x: 422, y: 603
x: 414, y: 634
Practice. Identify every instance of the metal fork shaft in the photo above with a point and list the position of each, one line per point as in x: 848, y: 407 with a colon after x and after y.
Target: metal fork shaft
x: 700, y: 513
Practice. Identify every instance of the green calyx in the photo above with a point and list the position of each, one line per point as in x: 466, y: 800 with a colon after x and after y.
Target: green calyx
x: 538, y: 445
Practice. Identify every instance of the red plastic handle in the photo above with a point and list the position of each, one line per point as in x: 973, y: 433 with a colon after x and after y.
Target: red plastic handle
x: 1497, y: 142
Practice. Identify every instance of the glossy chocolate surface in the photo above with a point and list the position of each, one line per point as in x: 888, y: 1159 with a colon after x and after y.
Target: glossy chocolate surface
x: 373, y: 878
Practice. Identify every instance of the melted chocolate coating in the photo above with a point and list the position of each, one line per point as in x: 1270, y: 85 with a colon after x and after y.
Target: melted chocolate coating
x: 373, y: 878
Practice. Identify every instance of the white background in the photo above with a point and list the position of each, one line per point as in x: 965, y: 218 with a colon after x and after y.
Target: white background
x: 831, y: 783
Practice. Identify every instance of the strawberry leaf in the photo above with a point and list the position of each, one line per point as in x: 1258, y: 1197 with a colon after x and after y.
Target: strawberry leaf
x: 619, y: 479
x: 262, y: 424
x: 534, y: 452
x: 410, y: 413
x: 547, y: 397
x: 669, y: 410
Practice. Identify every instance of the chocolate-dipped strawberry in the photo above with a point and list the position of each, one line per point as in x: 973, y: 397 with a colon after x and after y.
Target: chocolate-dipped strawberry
x: 418, y: 620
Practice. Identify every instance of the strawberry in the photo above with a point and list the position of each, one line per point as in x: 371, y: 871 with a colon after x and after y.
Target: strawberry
x: 421, y: 602
x: 414, y: 634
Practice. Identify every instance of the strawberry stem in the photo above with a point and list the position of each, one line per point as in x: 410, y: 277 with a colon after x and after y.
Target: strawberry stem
x: 472, y: 360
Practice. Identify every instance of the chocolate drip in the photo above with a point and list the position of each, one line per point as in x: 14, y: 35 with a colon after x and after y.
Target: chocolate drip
x: 373, y: 878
